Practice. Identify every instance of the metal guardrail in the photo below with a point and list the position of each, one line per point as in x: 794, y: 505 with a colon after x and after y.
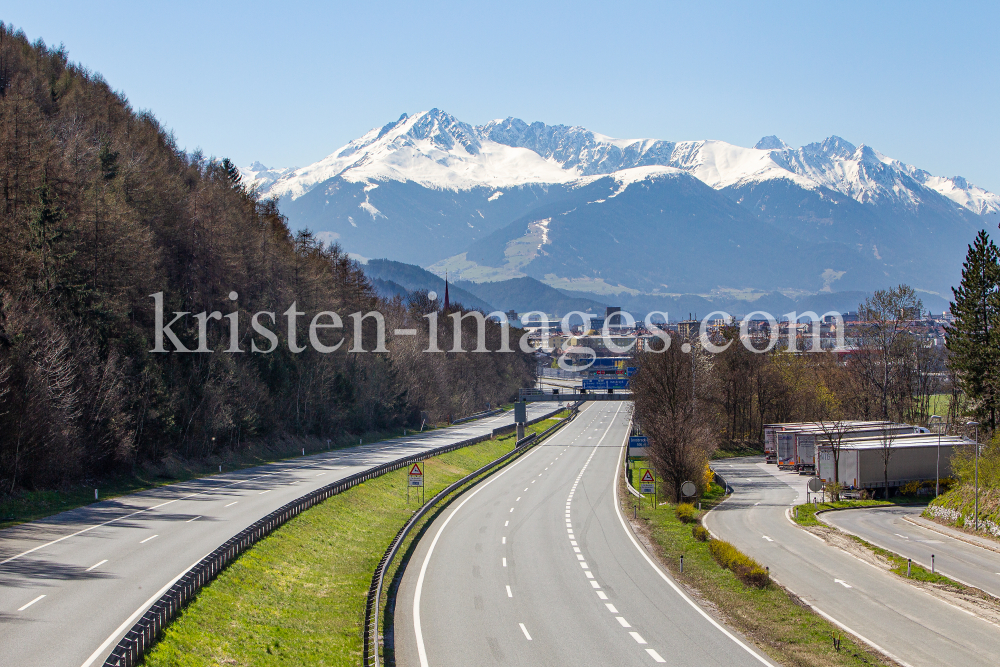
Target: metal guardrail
x: 370, y: 653
x: 140, y: 638
x: 478, y: 415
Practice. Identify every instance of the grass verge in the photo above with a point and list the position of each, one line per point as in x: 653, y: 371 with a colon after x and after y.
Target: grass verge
x: 298, y: 597
x: 779, y: 623
x: 917, y: 572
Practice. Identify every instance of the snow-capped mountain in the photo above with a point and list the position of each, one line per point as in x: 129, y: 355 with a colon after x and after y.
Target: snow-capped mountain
x: 429, y: 187
x: 434, y: 149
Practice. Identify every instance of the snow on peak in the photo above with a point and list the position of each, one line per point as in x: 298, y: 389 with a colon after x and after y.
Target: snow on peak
x: 771, y: 142
x: 435, y: 149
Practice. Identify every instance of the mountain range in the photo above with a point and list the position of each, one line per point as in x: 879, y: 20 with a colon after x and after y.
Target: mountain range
x: 634, y: 218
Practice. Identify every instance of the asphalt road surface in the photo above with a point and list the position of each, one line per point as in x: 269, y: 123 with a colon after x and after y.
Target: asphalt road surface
x: 535, y: 566
x: 900, y: 529
x: 903, y: 621
x: 73, y: 584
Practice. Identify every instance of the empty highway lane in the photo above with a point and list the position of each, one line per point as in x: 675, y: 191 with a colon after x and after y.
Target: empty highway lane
x: 73, y: 584
x: 535, y: 566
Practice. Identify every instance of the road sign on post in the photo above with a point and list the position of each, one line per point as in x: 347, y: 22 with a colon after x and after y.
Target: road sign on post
x: 638, y: 445
x: 415, y: 478
x: 688, y: 489
x: 647, y: 485
x: 520, y: 412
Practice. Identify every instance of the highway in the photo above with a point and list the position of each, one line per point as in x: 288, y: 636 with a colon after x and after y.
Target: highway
x: 535, y: 566
x: 902, y: 530
x: 73, y: 584
x: 905, y: 622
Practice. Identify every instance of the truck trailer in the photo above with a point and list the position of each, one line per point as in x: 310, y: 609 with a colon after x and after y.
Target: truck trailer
x: 808, y: 438
x: 913, y: 458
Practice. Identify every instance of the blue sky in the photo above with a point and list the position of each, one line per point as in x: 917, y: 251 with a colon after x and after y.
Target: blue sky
x: 288, y: 82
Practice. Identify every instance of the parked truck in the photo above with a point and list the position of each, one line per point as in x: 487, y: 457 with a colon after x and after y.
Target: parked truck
x: 808, y: 438
x: 913, y: 458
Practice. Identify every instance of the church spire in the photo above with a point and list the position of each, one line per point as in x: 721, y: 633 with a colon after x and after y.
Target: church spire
x: 447, y: 303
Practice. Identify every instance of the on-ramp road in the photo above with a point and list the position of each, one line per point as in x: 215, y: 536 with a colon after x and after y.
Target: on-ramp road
x: 902, y: 530
x: 906, y: 622
x: 535, y: 566
x: 73, y: 584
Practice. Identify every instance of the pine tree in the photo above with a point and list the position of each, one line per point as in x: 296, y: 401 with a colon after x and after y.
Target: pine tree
x: 973, y: 338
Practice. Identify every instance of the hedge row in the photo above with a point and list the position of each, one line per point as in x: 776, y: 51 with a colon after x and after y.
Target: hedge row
x: 746, y: 569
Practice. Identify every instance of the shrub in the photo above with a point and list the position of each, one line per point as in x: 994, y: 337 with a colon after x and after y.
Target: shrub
x: 746, y: 569
x: 911, y: 488
x: 699, y: 533
x: 686, y: 512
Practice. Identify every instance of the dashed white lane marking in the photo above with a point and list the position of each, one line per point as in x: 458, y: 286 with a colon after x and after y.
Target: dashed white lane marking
x: 594, y: 584
x: 96, y: 565
x: 30, y: 603
x: 768, y: 538
x: 622, y: 621
x: 654, y: 655
x: 509, y: 594
x: 503, y: 540
x: 231, y: 504
x: 842, y: 583
x: 148, y: 539
x: 611, y: 608
x: 602, y: 595
x: 263, y: 492
x: 525, y: 631
x: 511, y: 509
x: 506, y: 523
x: 518, y: 499
x: 193, y: 519
x: 637, y: 637
x: 505, y: 562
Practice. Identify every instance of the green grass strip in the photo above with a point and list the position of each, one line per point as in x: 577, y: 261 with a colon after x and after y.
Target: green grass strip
x: 783, y: 627
x: 298, y: 597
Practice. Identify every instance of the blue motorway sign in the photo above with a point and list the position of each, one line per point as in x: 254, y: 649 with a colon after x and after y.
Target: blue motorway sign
x: 606, y: 383
x: 630, y: 371
x: 638, y: 441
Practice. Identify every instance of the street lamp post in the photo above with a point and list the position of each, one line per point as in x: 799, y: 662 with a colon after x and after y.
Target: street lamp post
x: 976, y: 424
x: 937, y: 469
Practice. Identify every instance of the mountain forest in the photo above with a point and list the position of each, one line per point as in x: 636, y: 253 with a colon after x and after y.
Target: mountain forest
x: 100, y: 210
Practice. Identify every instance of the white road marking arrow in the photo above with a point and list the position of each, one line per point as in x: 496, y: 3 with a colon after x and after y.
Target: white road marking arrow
x: 842, y: 583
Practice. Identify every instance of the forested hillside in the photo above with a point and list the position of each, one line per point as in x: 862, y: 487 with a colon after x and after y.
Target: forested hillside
x: 100, y: 209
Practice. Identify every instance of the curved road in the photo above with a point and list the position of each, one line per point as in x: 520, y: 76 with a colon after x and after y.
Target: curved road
x: 904, y: 531
x: 905, y: 622
x: 535, y: 566
x: 73, y: 584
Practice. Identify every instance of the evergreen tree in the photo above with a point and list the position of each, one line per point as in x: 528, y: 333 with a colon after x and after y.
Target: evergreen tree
x: 973, y: 339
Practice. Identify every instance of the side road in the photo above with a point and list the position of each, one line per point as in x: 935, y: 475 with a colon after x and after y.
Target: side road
x: 884, y: 611
x: 71, y: 585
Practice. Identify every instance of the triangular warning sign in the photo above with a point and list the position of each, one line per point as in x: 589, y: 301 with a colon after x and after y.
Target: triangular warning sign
x: 648, y: 477
x: 415, y: 470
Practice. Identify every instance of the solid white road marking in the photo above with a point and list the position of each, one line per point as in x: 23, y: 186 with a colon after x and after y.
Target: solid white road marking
x: 509, y: 594
x: 96, y: 565
x: 148, y: 539
x: 656, y: 656
x: 31, y: 603
x: 663, y: 575
x: 623, y: 622
x: 525, y: 631
x: 638, y: 638
x: 842, y: 583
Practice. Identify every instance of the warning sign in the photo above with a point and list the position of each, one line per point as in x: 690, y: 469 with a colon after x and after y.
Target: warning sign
x: 416, y: 476
x: 647, y: 483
